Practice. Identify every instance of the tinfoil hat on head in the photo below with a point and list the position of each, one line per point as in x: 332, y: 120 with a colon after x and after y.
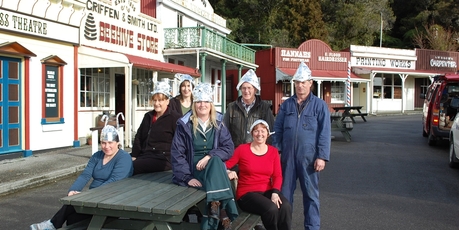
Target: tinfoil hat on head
x: 109, y: 133
x: 203, y: 92
x: 162, y: 87
x: 303, y: 73
x: 249, y: 77
x: 184, y: 77
x: 260, y: 121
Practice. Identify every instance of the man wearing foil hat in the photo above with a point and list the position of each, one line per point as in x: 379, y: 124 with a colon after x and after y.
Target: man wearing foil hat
x: 303, y: 136
x: 105, y: 166
x: 247, y: 108
x: 151, y: 150
x: 200, y: 147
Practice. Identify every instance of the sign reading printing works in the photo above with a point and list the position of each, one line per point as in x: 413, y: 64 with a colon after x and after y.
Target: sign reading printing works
x: 31, y: 25
x: 118, y: 25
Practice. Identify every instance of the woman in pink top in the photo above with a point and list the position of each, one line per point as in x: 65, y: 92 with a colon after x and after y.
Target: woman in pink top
x: 260, y: 179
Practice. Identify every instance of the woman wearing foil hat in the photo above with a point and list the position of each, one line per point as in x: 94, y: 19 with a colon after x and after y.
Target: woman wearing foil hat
x: 151, y: 151
x: 183, y: 101
x: 260, y: 179
x: 201, y: 145
x: 105, y: 166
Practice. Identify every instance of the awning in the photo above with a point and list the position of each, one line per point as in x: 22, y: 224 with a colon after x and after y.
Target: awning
x: 323, y: 75
x: 368, y: 70
x: 161, y: 66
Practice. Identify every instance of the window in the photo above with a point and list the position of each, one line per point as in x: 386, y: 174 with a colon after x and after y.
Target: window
x: 286, y: 89
x: 391, y: 86
x: 95, y: 88
x: 179, y: 20
x: 144, y: 88
x: 53, y: 108
x: 338, y: 92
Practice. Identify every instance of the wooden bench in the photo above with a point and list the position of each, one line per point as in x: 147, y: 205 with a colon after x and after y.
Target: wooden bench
x: 245, y: 220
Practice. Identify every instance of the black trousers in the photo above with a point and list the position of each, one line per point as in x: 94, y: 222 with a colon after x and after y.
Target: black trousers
x: 273, y: 218
x: 67, y: 213
x: 148, y: 164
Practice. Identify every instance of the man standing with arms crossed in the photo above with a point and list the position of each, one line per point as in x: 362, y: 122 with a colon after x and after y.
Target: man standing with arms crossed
x: 303, y: 137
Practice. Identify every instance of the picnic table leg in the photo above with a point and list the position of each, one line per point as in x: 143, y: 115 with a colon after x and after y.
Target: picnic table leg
x: 97, y: 222
x: 346, y: 135
x: 163, y: 226
x: 150, y: 226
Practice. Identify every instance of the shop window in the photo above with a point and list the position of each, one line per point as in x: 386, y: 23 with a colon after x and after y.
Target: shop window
x: 95, y: 88
x: 286, y: 89
x: 392, y: 86
x: 144, y: 88
x: 52, y: 103
x: 338, y: 94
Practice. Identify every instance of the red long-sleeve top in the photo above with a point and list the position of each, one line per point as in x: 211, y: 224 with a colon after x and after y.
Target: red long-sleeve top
x: 256, y: 173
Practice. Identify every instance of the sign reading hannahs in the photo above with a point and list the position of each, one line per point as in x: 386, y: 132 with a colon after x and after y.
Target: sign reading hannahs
x: 135, y: 32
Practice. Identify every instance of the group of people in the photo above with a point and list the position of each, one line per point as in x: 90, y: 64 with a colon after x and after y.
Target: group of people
x: 206, y: 149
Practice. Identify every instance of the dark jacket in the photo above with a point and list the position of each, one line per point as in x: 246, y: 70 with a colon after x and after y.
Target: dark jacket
x: 155, y: 139
x: 175, y: 104
x: 182, y: 148
x: 239, y: 122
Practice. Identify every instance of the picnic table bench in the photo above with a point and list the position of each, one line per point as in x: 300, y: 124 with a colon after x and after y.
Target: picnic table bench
x: 341, y: 125
x: 347, y: 112
x: 144, y: 201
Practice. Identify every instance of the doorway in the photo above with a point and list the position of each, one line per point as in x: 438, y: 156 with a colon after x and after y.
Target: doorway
x: 120, y: 97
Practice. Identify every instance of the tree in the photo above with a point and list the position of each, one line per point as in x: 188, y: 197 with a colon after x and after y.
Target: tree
x: 436, y: 37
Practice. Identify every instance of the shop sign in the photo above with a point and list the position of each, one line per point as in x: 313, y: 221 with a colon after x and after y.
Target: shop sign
x: 31, y: 25
x: 331, y: 57
x: 383, y: 62
x: 442, y: 62
x: 295, y: 55
x: 117, y: 26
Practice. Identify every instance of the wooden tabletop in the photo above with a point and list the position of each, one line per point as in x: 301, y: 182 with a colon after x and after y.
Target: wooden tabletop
x: 150, y: 196
x: 348, y: 107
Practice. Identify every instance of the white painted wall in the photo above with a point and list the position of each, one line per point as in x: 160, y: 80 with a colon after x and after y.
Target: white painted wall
x: 55, y: 135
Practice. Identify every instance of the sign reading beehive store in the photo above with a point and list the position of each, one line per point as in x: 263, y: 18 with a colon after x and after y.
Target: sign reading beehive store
x: 117, y: 26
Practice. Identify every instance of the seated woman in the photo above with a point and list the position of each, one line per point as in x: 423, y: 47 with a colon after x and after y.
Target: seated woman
x: 105, y: 166
x: 260, y: 179
x: 182, y: 102
x: 201, y: 144
x: 152, y: 143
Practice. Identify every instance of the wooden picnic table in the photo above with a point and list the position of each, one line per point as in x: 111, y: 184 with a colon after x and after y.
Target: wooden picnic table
x: 337, y: 124
x: 347, y: 112
x: 144, y: 201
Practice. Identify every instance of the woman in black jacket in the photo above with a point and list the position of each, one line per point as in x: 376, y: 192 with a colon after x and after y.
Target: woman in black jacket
x: 152, y: 143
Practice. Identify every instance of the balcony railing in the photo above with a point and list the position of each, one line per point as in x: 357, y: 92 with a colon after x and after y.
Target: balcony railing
x: 202, y: 37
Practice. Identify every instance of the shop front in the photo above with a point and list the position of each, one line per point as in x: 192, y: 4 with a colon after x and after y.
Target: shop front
x: 330, y: 71
x: 38, y: 65
x: 120, y: 59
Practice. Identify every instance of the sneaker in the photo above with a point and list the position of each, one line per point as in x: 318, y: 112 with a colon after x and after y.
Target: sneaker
x: 45, y: 225
x: 259, y: 227
x: 226, y: 223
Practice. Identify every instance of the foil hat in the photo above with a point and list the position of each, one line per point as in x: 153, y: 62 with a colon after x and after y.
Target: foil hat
x: 260, y: 121
x: 249, y: 77
x: 162, y: 87
x: 303, y: 73
x: 184, y: 77
x: 203, y: 92
x: 109, y: 133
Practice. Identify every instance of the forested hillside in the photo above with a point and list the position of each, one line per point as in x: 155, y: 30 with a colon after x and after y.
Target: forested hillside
x: 428, y: 24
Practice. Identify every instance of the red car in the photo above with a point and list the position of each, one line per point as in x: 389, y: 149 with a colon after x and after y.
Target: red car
x: 441, y: 104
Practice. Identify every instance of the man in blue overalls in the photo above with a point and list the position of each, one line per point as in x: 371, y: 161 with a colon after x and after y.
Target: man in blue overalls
x: 303, y: 136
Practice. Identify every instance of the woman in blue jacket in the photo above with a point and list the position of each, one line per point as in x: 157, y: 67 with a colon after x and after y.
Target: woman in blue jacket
x: 200, y: 146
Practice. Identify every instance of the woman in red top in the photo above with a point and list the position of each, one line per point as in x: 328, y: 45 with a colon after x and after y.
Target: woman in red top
x: 260, y: 179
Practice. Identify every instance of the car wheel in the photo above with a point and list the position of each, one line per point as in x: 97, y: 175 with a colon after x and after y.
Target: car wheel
x: 431, y: 139
x: 453, y: 161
